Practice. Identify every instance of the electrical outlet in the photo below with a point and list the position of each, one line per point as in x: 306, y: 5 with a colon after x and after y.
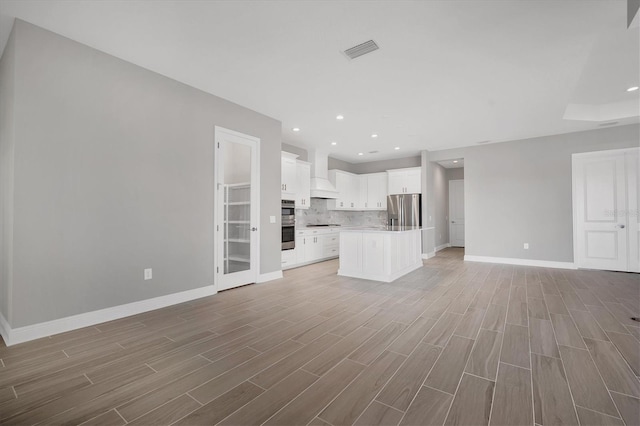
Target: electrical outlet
x: 526, y: 246
x: 148, y: 274
x: 272, y: 219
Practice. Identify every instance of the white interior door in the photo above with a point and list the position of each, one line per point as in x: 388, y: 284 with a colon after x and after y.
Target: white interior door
x: 605, y: 192
x: 237, y: 201
x: 456, y: 213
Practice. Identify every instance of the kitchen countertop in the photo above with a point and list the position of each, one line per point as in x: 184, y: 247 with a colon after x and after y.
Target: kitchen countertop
x: 384, y: 229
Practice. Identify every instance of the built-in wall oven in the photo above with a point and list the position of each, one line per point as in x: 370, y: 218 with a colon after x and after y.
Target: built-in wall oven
x: 288, y: 224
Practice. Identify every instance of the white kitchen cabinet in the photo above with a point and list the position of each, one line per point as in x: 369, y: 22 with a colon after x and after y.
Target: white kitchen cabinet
x: 303, y: 184
x: 330, y: 245
x: 288, y: 258
x: 375, y: 186
x: 350, y: 192
x: 312, y: 245
x: 300, y: 249
x: 288, y: 176
x: 405, y: 181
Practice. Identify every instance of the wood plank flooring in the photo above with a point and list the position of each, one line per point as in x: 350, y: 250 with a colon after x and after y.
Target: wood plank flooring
x: 452, y: 343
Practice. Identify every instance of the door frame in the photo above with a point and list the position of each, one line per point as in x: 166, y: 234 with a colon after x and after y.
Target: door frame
x: 574, y: 201
x: 217, y: 267
x: 449, y: 211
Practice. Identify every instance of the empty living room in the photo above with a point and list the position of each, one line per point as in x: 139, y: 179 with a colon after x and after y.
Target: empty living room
x: 321, y: 212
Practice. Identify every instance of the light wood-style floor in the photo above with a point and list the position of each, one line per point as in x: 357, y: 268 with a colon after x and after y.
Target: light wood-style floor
x: 452, y: 343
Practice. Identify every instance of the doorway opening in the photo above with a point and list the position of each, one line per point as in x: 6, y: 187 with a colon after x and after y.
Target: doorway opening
x: 449, y: 211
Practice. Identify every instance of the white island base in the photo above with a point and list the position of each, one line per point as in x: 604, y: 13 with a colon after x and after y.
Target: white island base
x: 379, y: 255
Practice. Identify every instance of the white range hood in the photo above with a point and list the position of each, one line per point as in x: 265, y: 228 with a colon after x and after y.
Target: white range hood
x: 320, y: 185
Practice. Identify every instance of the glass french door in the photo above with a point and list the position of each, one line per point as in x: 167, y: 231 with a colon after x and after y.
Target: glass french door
x: 236, y: 230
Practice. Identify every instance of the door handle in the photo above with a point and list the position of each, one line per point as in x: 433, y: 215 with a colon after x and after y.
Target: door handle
x: 254, y: 229
x: 620, y: 226
x: 453, y: 221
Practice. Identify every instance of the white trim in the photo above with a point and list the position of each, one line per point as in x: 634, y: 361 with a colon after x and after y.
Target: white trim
x: 428, y: 255
x: 523, y: 262
x: 269, y: 276
x: 74, y: 322
x: 442, y: 247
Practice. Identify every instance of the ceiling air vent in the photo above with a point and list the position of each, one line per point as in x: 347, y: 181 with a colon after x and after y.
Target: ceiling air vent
x: 611, y: 123
x: 361, y: 49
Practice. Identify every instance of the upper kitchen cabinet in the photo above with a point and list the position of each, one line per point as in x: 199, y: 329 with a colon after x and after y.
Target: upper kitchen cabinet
x: 348, y: 185
x: 303, y: 184
x: 405, y: 181
x: 289, y: 176
x: 375, y: 187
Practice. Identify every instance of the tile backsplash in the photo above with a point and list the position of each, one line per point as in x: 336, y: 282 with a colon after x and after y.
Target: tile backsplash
x: 318, y: 213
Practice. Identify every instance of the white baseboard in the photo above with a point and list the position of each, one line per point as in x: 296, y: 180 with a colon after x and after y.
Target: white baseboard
x: 428, y: 255
x: 522, y: 262
x: 13, y: 336
x: 443, y: 246
x: 269, y: 276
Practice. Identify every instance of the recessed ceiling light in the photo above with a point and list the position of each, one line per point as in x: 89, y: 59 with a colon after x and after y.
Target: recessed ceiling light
x: 397, y: 148
x: 295, y: 129
x: 632, y: 89
x: 340, y: 117
x: 334, y: 143
x: 455, y: 161
x: 374, y: 135
x: 361, y: 153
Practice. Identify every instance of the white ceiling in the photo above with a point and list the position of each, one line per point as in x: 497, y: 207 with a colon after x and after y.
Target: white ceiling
x: 456, y: 163
x: 448, y: 73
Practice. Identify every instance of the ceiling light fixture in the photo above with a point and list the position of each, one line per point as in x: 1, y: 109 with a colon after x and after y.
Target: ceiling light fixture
x: 340, y: 117
x: 295, y: 129
x: 361, y: 153
x: 397, y: 148
x: 455, y: 161
x: 374, y: 135
x: 632, y: 89
x: 334, y: 143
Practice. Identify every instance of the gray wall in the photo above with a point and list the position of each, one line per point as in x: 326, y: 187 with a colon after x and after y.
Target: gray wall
x: 520, y: 191
x: 300, y: 152
x: 7, y: 146
x: 384, y: 165
x: 455, y: 174
x: 113, y: 174
x: 334, y: 163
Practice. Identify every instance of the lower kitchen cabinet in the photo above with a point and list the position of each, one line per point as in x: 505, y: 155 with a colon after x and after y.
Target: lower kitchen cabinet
x: 312, y: 246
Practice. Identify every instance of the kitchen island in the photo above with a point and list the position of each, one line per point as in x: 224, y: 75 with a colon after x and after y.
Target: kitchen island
x: 383, y: 254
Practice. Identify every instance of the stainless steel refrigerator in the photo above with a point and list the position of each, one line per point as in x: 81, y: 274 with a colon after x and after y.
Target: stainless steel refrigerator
x: 404, y: 210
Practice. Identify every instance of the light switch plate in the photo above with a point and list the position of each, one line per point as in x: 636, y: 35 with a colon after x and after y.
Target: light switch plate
x: 272, y: 219
x: 526, y: 246
x: 148, y: 274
